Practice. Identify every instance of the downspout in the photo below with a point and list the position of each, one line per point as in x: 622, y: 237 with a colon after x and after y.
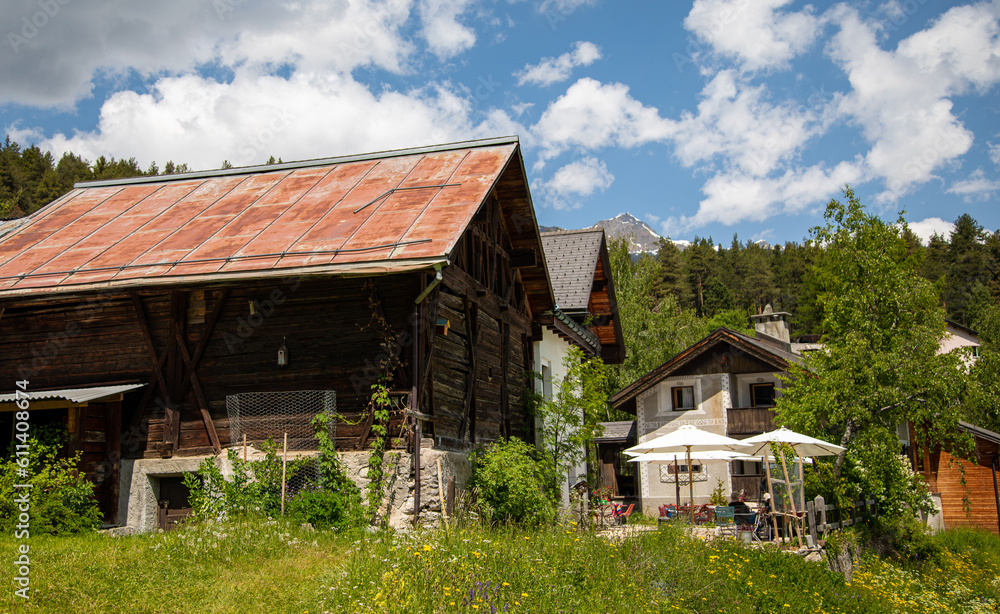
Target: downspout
x: 414, y: 402
x: 996, y: 492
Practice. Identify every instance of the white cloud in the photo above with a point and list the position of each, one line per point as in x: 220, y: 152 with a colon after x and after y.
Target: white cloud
x: 976, y: 187
x: 564, y: 7
x: 201, y: 122
x: 930, y: 226
x: 552, y: 70
x: 901, y: 99
x: 55, y: 65
x: 731, y: 198
x: 757, y: 33
x: 580, y: 178
x: 592, y: 115
x: 736, y: 122
x: 445, y: 36
x: 994, y: 149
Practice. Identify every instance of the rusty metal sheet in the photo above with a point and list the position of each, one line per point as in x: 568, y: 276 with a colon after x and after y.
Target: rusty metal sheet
x: 351, y: 212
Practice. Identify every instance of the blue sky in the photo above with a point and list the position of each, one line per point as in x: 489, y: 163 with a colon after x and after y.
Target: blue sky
x: 704, y: 118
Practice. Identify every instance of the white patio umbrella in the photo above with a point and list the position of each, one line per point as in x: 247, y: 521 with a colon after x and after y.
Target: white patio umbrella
x: 688, y: 439
x: 803, y: 445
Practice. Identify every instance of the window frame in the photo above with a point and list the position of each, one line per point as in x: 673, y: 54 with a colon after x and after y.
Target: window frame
x: 774, y: 393
x: 673, y: 398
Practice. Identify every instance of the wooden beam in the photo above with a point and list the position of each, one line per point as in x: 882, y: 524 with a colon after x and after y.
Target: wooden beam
x: 472, y: 335
x: 199, y: 397
x: 206, y: 335
x: 140, y: 313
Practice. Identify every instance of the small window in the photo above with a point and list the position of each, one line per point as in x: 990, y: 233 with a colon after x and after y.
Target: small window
x: 762, y: 395
x: 682, y: 469
x: 683, y: 397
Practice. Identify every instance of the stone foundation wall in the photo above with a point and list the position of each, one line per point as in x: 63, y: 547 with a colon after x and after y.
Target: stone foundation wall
x: 139, y: 485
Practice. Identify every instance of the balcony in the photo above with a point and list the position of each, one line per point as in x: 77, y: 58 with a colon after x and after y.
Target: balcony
x: 748, y: 421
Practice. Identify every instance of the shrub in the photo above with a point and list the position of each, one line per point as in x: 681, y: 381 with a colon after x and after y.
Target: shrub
x: 511, y: 485
x: 330, y: 501
x: 61, y: 498
x: 903, y: 537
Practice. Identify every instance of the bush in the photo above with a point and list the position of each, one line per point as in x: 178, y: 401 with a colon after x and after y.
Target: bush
x: 331, y: 501
x: 510, y: 483
x: 61, y: 499
x: 903, y: 537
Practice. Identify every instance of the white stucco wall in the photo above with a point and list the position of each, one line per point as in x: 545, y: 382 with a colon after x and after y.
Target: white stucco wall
x: 656, y: 417
x: 550, y: 352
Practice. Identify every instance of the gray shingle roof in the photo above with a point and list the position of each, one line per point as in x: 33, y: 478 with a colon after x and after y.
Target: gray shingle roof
x: 614, y: 431
x: 571, y: 256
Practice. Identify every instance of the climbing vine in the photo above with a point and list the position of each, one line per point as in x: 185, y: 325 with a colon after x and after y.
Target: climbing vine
x: 380, y: 403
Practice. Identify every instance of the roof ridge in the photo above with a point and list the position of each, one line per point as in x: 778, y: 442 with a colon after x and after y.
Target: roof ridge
x: 569, y: 232
x: 266, y: 168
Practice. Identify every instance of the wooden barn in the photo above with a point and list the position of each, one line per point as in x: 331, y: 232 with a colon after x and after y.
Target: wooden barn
x: 980, y: 493
x: 136, y: 308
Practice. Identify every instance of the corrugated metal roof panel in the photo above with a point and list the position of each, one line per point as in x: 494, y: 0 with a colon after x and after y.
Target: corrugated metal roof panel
x: 382, y: 210
x: 76, y: 395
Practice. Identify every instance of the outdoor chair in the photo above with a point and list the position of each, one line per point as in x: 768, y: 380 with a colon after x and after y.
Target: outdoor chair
x: 623, y: 516
x: 725, y: 519
x: 703, y: 514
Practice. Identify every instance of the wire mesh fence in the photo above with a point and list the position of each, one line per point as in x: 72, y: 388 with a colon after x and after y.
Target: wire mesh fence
x: 263, y: 416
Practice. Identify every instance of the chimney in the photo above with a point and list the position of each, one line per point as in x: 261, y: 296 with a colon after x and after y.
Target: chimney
x: 772, y: 324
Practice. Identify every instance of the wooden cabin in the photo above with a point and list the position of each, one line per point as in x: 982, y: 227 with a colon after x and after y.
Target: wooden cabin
x: 163, y: 297
x: 974, y: 504
x: 726, y: 384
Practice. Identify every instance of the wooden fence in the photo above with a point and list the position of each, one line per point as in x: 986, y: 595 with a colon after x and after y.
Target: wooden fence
x: 822, y: 518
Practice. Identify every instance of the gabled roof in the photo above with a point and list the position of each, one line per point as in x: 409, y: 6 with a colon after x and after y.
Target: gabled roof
x: 979, y: 431
x: 767, y: 353
x: 356, y: 215
x: 572, y: 258
x: 580, y: 270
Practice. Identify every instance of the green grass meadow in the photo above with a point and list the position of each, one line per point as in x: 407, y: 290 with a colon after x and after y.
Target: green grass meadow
x: 273, y: 567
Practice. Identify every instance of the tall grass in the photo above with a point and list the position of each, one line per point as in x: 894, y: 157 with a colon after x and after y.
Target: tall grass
x: 275, y: 567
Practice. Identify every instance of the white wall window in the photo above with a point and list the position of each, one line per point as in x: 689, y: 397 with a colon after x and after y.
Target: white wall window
x: 682, y: 398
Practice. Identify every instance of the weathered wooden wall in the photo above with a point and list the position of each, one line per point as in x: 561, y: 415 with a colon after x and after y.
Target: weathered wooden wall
x: 488, y: 341
x: 327, y: 326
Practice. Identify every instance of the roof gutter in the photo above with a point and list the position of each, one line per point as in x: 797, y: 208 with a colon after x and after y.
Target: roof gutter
x: 583, y: 332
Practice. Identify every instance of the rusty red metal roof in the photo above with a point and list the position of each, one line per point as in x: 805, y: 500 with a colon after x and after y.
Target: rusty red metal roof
x: 394, y: 211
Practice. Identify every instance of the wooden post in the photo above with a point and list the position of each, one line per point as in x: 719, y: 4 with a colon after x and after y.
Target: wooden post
x: 450, y: 499
x: 802, y: 482
x: 821, y: 511
x: 811, y: 517
x: 788, y: 489
x: 415, y: 408
x: 444, y: 511
x: 770, y: 490
x: 244, y: 447
x: 690, y: 482
x: 284, y: 464
x: 677, y: 485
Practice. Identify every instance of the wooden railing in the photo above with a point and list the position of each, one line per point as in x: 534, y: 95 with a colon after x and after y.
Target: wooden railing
x: 746, y: 421
x: 822, y: 518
